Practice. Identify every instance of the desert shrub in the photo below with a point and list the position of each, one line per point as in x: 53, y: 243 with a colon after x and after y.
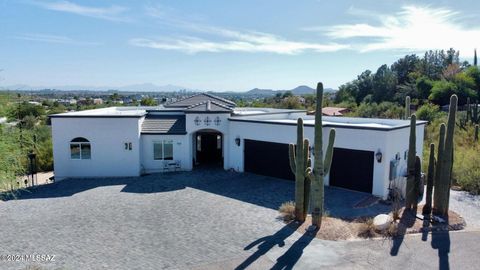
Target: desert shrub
x: 380, y: 110
x: 428, y: 112
x: 466, y: 165
x: 392, y: 230
x: 287, y: 210
x: 367, y: 229
x: 466, y: 169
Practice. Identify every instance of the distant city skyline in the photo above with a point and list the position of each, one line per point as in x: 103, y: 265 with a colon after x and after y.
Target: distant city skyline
x: 222, y: 45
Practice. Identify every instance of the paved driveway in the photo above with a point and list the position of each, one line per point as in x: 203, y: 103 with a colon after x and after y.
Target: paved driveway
x: 179, y: 220
x: 205, y: 219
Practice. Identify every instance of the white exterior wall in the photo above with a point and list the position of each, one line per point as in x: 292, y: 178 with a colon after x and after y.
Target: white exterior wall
x: 107, y: 137
x: 398, y: 141
x: 357, y: 139
x: 367, y: 140
x: 181, y: 146
x: 109, y: 158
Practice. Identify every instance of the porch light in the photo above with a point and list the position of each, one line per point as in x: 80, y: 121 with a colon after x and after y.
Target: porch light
x: 237, y: 141
x: 378, y: 156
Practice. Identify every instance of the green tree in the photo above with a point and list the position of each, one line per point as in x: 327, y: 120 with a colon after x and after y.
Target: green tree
x: 291, y: 103
x: 148, y: 101
x: 403, y: 67
x: 474, y: 73
x: 287, y: 94
x: 23, y: 109
x: 424, y: 87
x: 384, y: 84
x: 441, y: 92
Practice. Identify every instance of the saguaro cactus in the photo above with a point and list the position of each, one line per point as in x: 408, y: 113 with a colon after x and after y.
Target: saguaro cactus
x: 411, y: 196
x: 445, y: 162
x: 475, y: 113
x: 321, y: 166
x: 427, y: 208
x: 469, y: 110
x: 476, y: 133
x: 407, y: 107
x: 299, y: 161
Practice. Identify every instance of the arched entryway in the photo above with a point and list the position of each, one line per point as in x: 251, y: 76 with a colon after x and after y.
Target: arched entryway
x: 208, y: 150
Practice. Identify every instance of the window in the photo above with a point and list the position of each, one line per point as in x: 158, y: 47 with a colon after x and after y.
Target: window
x: 80, y: 148
x: 163, y: 150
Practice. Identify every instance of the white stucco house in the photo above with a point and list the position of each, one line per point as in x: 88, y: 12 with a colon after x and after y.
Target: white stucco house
x: 205, y: 130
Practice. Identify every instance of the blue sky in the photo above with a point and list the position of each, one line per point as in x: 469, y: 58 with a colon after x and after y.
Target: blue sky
x: 222, y: 45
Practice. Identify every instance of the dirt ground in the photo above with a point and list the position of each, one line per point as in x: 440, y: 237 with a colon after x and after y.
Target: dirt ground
x: 41, y: 178
x: 341, y: 229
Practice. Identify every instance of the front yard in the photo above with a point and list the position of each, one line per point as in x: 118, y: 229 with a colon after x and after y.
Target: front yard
x: 205, y: 219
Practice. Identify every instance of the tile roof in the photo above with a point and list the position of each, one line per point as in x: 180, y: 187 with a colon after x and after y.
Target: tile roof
x: 334, y: 111
x: 164, y: 124
x: 200, y: 98
x: 208, y: 106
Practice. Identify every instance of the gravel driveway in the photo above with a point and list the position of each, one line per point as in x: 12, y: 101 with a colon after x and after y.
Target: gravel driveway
x: 204, y: 219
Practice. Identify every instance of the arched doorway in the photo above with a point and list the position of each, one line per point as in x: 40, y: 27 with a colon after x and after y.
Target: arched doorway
x: 208, y: 149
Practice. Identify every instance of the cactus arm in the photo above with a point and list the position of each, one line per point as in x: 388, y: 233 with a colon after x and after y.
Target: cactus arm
x: 306, y: 153
x: 299, y: 173
x: 329, y: 153
x: 407, y: 107
x: 291, y: 156
x: 427, y: 209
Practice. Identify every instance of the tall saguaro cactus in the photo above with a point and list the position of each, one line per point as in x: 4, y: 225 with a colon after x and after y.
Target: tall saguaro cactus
x: 427, y: 208
x: 445, y: 162
x: 299, y: 162
x: 321, y: 166
x: 407, y: 107
x: 411, y: 196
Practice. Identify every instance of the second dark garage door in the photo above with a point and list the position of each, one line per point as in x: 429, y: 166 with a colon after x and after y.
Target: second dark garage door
x: 352, y: 169
x: 267, y: 158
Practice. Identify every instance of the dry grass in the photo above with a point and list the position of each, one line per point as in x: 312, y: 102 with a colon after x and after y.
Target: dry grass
x: 331, y: 228
x: 287, y: 211
x: 366, y: 229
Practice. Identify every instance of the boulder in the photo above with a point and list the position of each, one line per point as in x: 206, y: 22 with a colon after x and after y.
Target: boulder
x: 382, y: 221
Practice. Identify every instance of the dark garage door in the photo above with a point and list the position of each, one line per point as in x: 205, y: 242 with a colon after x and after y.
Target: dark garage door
x: 352, y: 169
x: 267, y: 158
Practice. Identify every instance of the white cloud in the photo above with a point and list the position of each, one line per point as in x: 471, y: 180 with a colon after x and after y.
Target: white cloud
x: 52, y: 39
x: 112, y: 13
x: 235, y: 41
x: 413, y: 29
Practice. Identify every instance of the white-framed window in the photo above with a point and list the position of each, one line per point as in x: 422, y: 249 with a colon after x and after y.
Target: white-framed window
x: 163, y: 150
x: 80, y: 148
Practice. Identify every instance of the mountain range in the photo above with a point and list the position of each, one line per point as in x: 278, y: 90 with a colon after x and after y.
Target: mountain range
x: 150, y: 87
x: 299, y: 90
x: 143, y: 87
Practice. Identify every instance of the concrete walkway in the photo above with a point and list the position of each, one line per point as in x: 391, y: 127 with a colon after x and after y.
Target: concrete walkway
x: 205, y: 219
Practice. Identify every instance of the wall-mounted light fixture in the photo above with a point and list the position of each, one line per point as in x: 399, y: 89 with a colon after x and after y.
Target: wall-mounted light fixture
x: 237, y: 141
x: 378, y: 156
